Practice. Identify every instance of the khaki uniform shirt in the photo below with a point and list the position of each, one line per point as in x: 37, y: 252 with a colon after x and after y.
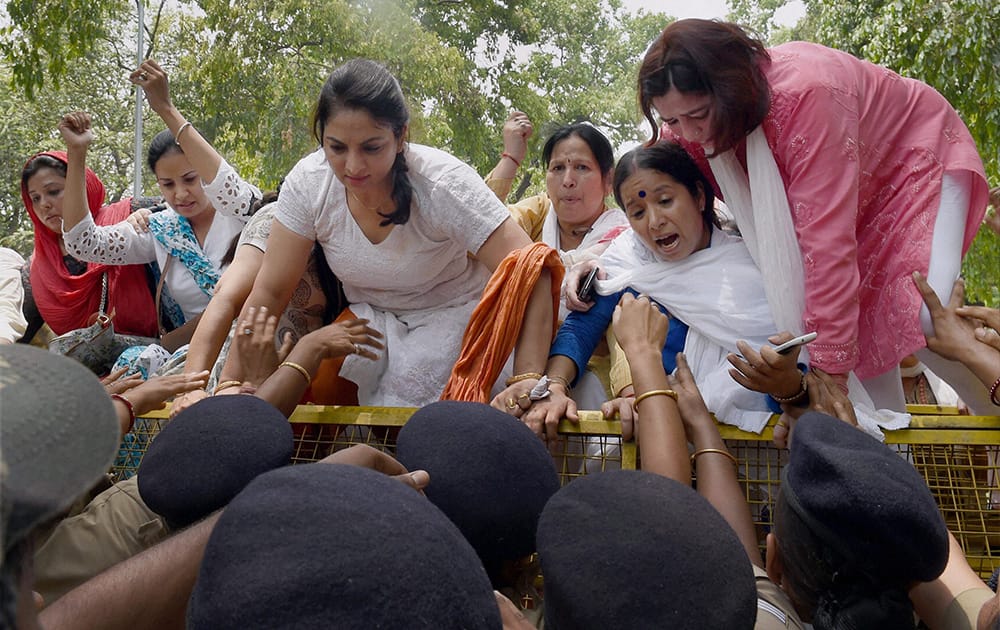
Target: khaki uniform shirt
x: 774, y: 609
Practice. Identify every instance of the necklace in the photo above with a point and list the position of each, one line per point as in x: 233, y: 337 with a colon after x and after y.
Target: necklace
x: 376, y: 209
x: 575, y: 232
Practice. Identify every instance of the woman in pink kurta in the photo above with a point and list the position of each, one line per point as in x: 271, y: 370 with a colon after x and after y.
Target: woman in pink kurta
x: 857, y: 157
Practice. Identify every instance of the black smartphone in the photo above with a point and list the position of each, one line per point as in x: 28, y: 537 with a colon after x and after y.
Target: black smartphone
x: 586, y: 289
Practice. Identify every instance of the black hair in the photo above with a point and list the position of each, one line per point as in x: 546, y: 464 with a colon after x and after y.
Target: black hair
x: 598, y: 143
x: 669, y: 158
x: 832, y: 592
x: 163, y: 144
x: 38, y: 163
x: 333, y: 288
x: 366, y: 85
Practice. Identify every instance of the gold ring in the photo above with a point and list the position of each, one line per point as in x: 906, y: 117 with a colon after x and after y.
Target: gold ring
x: 511, y: 403
x: 522, y: 396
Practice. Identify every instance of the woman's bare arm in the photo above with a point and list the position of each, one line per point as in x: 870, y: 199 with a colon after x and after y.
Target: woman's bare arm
x: 280, y: 270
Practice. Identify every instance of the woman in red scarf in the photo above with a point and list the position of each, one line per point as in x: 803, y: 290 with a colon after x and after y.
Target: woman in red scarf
x: 66, y: 291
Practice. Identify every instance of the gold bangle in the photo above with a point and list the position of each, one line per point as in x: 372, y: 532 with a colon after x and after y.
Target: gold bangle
x: 298, y: 368
x: 226, y: 385
x: 561, y: 380
x: 653, y: 392
x: 517, y: 378
x: 720, y: 451
x: 180, y: 132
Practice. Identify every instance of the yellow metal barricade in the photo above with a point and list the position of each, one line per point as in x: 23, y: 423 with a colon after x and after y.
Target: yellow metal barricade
x: 959, y: 456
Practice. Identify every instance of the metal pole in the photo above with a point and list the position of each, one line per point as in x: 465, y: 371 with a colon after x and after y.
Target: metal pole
x: 137, y: 165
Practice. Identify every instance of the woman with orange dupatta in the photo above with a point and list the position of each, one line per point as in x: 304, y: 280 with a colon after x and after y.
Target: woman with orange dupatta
x: 67, y: 292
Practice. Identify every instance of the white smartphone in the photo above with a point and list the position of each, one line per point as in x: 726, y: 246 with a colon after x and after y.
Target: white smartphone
x: 787, y: 347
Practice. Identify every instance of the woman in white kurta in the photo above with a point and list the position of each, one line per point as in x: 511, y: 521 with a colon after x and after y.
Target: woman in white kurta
x: 397, y: 222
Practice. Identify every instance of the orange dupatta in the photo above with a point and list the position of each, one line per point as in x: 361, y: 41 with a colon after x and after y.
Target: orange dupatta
x: 495, y: 325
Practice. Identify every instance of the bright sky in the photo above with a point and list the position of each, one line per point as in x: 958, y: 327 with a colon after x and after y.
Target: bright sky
x: 787, y: 15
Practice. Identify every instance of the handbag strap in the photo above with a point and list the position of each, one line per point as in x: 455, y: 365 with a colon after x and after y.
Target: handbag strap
x: 104, y: 295
x: 159, y: 292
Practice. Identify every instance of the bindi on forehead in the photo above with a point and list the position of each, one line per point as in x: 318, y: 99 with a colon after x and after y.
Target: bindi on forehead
x: 642, y: 194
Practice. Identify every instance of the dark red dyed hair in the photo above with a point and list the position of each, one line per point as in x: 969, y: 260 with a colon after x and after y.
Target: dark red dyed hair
x: 709, y: 57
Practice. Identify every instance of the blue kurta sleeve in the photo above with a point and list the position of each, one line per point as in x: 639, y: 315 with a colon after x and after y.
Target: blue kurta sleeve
x: 581, y: 332
x: 676, y: 337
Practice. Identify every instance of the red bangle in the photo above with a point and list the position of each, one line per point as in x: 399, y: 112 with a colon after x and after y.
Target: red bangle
x: 993, y: 392
x: 512, y: 158
x: 129, y: 406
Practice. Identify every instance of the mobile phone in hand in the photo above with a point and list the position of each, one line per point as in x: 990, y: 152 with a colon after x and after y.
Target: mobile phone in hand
x: 586, y: 289
x: 791, y: 344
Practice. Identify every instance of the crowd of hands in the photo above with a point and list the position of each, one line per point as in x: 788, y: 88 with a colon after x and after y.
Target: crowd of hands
x: 962, y: 333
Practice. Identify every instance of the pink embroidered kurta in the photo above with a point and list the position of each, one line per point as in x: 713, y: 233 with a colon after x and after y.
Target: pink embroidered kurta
x: 861, y: 152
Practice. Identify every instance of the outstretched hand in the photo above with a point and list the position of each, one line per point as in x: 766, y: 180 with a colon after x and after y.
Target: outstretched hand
x: 825, y: 396
x: 766, y: 371
x: 694, y: 412
x: 988, y: 332
x: 992, y: 219
x: 953, y: 335
x: 639, y: 325
x: 185, y: 400
x: 571, y: 282
x: 516, y: 132
x: 154, y: 393
x: 254, y: 342
x: 339, y: 339
x: 75, y: 130
x: 544, y: 415
x: 139, y: 220
x: 153, y: 80
x: 365, y: 456
x: 514, y: 399
x: 116, y: 382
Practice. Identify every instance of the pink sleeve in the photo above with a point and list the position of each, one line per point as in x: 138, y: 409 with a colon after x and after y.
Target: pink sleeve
x: 816, y: 153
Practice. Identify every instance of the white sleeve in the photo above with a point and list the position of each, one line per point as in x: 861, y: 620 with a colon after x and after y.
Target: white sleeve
x: 12, y: 321
x: 300, y: 200
x: 117, y: 244
x: 230, y: 194
x: 464, y: 207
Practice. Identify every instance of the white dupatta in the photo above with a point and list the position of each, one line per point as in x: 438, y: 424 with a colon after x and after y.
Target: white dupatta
x: 719, y: 294
x: 760, y: 205
x: 609, y: 219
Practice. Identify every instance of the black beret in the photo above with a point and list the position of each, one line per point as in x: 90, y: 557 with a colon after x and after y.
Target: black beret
x: 630, y: 549
x: 489, y: 473
x: 864, y: 501
x: 210, y: 452
x: 336, y: 546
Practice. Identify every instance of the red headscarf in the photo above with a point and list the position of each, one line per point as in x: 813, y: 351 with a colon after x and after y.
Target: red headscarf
x: 67, y: 302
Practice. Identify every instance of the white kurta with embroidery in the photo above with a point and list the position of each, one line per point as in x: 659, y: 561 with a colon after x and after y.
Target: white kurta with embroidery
x: 120, y: 244
x: 419, y: 285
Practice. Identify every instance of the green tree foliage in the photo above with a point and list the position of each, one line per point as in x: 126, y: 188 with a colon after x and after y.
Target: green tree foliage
x: 248, y: 73
x: 44, y: 38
